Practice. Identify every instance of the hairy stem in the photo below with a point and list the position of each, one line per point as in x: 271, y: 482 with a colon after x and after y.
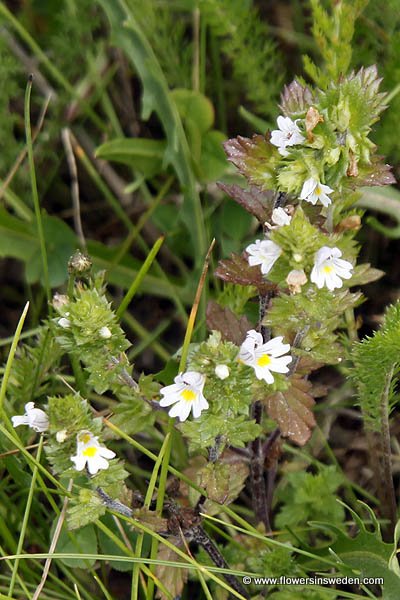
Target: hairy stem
x: 388, y: 493
x: 200, y: 536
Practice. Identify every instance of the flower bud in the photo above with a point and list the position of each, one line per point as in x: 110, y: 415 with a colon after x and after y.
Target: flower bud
x: 222, y: 371
x: 295, y: 280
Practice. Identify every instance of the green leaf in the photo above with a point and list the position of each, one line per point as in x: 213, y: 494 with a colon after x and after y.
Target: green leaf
x: 145, y: 155
x: 195, y: 106
x: 213, y: 162
x: 87, y: 510
x: 83, y: 541
x: 156, y: 97
x: 20, y: 240
x: 108, y: 546
x: 365, y: 553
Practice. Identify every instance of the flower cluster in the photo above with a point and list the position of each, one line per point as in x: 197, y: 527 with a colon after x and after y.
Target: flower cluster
x: 186, y: 393
x: 328, y: 271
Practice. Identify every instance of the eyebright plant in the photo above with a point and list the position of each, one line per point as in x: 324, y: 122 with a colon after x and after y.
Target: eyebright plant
x: 247, y: 385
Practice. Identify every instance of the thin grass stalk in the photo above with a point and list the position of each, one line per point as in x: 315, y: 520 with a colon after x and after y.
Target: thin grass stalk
x: 35, y: 196
x: 26, y: 518
x: 171, y: 422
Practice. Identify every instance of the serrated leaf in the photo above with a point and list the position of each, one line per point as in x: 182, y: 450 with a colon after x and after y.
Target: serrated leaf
x: 87, y: 510
x: 295, y: 99
x: 237, y: 270
x: 172, y: 578
x: 231, y: 327
x: 291, y: 409
x: 256, y: 201
x: 366, y: 553
x: 224, y: 479
x: 255, y: 158
x: 376, y: 173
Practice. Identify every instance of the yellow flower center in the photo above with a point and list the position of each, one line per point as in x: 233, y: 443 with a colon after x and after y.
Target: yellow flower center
x: 264, y: 360
x: 318, y: 190
x: 328, y: 269
x: 85, y: 438
x: 188, y: 395
x: 90, y: 452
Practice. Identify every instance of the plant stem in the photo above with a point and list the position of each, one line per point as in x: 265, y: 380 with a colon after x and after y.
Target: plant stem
x: 200, y: 536
x: 35, y: 196
x: 257, y: 479
x: 388, y: 493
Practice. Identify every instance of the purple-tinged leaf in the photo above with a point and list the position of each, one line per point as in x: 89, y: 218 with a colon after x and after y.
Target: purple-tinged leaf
x: 255, y: 158
x: 291, y: 409
x: 256, y: 201
x: 231, y: 327
x: 377, y: 173
x: 237, y: 270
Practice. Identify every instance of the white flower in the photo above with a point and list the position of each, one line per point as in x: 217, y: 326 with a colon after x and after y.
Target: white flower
x: 34, y: 417
x: 263, y: 253
x: 313, y: 190
x: 64, y: 323
x: 89, y: 452
x: 61, y: 436
x: 264, y: 358
x: 185, y: 394
x: 222, y: 371
x: 329, y: 269
x: 288, y: 134
x: 279, y: 218
x: 105, y: 333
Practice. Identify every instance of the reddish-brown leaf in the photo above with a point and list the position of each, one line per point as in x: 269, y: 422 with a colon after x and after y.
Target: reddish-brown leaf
x: 291, y: 409
x: 295, y: 99
x: 237, y: 270
x: 232, y: 328
x: 255, y: 158
x: 256, y: 201
x: 377, y: 173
